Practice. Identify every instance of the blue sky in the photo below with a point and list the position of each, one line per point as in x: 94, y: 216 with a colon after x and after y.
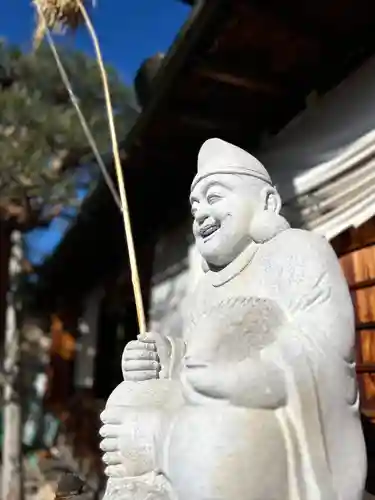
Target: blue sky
x: 129, y: 32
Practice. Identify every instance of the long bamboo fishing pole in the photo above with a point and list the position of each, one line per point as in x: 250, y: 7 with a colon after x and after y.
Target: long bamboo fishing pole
x: 71, y: 13
x: 120, y: 178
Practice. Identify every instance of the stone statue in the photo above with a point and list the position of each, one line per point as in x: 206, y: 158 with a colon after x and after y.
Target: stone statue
x: 259, y: 400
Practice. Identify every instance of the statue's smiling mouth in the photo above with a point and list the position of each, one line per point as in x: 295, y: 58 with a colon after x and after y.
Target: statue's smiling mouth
x: 208, y: 230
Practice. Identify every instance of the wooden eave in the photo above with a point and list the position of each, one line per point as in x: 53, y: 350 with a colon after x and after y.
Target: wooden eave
x: 239, y: 70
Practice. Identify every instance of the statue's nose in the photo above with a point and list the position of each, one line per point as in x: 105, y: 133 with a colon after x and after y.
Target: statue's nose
x: 201, y: 214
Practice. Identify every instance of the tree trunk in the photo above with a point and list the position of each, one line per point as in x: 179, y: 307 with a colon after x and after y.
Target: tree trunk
x: 4, y: 279
x: 11, y: 481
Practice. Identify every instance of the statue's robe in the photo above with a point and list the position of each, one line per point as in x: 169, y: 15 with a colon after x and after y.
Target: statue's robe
x: 319, y: 415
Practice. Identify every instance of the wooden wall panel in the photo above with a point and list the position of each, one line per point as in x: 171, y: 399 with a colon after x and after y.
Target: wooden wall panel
x: 356, y: 250
x: 355, y: 238
x: 365, y: 366
x: 366, y: 353
x: 359, y: 270
x: 359, y: 265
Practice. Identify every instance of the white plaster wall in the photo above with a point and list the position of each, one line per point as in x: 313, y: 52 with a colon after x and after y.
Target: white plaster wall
x: 171, y: 277
x: 177, y: 269
x: 311, y: 149
x: 166, y: 305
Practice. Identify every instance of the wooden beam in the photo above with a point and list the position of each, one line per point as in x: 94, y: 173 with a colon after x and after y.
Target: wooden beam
x: 199, y: 122
x: 253, y: 85
x: 362, y: 284
x: 208, y: 123
x: 370, y: 325
x: 365, y: 368
x: 291, y: 16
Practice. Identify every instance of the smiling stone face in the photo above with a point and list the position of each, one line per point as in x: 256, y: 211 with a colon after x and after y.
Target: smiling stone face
x: 222, y: 206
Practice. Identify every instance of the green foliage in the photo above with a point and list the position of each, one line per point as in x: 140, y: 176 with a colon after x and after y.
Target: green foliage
x: 41, y: 139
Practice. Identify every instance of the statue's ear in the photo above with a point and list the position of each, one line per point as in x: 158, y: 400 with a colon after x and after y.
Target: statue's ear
x: 267, y: 221
x: 271, y: 199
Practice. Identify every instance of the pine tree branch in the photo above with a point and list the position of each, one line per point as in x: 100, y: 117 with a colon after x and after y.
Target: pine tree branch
x: 43, y: 145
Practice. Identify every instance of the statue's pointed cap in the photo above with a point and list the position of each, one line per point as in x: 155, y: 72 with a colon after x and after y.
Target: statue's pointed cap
x: 217, y: 156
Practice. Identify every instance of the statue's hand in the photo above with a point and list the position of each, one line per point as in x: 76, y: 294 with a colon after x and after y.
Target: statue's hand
x: 110, y: 432
x: 140, y: 359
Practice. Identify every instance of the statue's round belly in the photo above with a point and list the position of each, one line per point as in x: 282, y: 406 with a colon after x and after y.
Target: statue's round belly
x: 226, y: 453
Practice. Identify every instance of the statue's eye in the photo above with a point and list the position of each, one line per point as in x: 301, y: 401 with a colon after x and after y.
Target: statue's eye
x: 213, y: 198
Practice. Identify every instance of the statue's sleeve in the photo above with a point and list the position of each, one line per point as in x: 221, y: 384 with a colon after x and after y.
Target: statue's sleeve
x: 310, y: 287
x: 312, y: 354
x: 304, y: 278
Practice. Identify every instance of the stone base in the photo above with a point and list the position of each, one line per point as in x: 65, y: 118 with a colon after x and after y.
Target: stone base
x: 149, y: 486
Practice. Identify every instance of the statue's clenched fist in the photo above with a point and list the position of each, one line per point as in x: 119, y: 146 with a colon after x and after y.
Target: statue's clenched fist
x: 140, y: 359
